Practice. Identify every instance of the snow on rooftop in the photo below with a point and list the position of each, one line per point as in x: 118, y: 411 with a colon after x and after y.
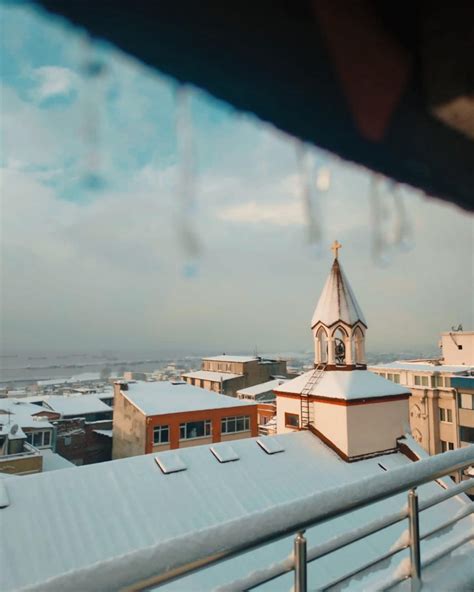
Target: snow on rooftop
x: 75, y: 405
x: 422, y: 366
x: 340, y: 384
x: 230, y: 358
x: 53, y: 461
x: 157, y: 398
x: 263, y: 387
x: 337, y: 301
x: 212, y: 376
x: 23, y: 413
x: 133, y: 516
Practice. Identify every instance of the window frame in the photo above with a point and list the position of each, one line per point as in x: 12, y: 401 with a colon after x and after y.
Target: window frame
x: 225, y: 421
x: 30, y: 438
x: 184, y: 427
x: 446, y: 445
x: 461, y: 396
x: 159, y: 429
x: 290, y: 425
x: 445, y: 415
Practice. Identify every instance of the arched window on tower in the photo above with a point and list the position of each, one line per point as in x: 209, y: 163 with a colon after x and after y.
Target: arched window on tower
x: 358, y: 346
x: 322, y: 346
x: 340, y: 337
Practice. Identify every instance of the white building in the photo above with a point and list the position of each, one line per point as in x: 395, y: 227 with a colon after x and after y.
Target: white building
x: 354, y: 411
x: 442, y: 393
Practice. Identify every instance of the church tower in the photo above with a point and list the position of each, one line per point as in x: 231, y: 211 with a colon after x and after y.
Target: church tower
x: 353, y: 411
x: 338, y: 324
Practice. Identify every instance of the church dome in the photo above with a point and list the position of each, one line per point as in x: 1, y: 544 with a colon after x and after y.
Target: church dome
x: 337, y: 301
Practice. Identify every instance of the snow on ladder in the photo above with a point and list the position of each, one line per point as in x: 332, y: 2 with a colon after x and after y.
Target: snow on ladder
x: 315, y: 377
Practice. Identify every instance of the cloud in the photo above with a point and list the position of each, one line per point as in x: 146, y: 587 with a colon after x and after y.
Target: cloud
x: 279, y: 214
x: 54, y: 82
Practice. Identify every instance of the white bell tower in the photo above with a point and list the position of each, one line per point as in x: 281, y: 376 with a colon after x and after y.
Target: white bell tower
x: 338, y: 324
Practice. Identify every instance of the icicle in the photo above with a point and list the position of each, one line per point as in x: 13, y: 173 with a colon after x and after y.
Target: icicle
x: 187, y: 181
x: 310, y: 204
x: 94, y: 70
x: 403, y: 231
x: 380, y: 241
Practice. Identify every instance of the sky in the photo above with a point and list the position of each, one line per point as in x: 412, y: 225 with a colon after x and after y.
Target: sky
x: 138, y: 216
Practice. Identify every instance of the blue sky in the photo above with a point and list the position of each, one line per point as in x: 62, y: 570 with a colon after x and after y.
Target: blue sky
x: 106, y: 267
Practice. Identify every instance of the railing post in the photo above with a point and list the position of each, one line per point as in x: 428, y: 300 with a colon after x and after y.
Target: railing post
x: 414, y: 529
x: 301, y: 577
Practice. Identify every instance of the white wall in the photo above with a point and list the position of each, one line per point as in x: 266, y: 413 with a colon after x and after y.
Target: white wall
x: 331, y: 421
x: 376, y: 426
x: 451, y: 353
x: 286, y: 405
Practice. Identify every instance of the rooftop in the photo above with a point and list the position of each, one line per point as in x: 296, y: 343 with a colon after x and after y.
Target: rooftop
x: 422, y: 366
x: 263, y: 387
x: 230, y: 358
x: 212, y: 376
x: 73, y: 405
x: 121, y: 531
x: 54, y: 462
x: 340, y: 384
x: 22, y: 413
x: 158, y: 398
x: 337, y: 301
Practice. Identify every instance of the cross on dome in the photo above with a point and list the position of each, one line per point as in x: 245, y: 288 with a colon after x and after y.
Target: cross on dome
x: 336, y: 245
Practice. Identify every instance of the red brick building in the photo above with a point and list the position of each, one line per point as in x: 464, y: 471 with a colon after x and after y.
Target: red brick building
x: 156, y: 416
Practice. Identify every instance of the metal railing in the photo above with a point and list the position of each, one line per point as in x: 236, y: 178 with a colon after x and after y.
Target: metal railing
x: 192, y: 551
x: 375, y: 489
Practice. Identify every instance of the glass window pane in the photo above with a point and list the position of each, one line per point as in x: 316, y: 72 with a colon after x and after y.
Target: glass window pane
x: 38, y: 439
x: 47, y: 438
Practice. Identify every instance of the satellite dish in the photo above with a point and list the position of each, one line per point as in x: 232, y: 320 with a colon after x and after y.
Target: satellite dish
x: 14, y: 429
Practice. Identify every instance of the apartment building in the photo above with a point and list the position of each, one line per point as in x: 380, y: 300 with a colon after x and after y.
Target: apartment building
x: 157, y: 416
x: 226, y: 374
x: 441, y: 401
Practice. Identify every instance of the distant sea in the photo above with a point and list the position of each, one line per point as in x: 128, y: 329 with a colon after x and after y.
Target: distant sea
x: 26, y: 368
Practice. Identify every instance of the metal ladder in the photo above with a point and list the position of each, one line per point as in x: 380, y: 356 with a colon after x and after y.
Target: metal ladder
x: 315, y: 377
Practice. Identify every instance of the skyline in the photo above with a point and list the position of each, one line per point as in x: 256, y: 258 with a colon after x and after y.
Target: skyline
x: 89, y: 270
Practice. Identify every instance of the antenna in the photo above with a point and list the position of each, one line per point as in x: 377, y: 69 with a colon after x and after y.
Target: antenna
x: 13, y: 429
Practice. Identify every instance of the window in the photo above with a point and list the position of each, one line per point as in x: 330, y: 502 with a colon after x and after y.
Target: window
x: 446, y: 415
x: 459, y: 346
x: 396, y: 378
x: 390, y: 377
x: 39, y: 439
x: 230, y: 425
x: 466, y: 401
x: 445, y: 446
x: 195, y: 429
x: 421, y: 380
x: 292, y: 420
x: 161, y: 434
x: 466, y: 434
x: 439, y: 381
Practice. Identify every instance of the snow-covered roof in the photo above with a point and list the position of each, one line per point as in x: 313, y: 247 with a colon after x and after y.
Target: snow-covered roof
x: 53, y: 461
x: 75, y: 405
x: 108, y: 433
x: 347, y: 385
x: 127, y: 511
x: 230, y: 358
x: 263, y: 387
x: 22, y: 413
x: 158, y: 398
x: 212, y: 376
x: 423, y: 366
x: 337, y: 301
